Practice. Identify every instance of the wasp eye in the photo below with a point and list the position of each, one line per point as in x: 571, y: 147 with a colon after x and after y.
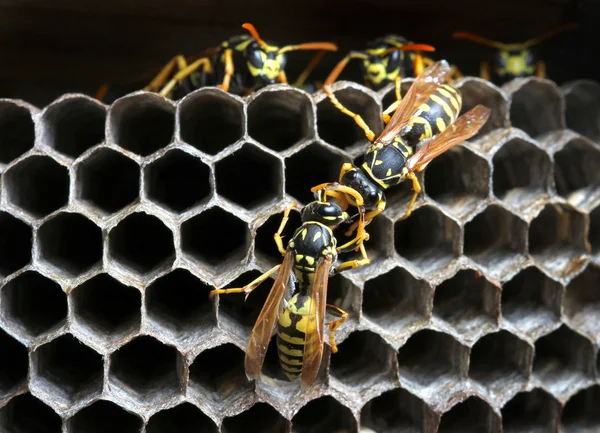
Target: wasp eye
x: 254, y: 56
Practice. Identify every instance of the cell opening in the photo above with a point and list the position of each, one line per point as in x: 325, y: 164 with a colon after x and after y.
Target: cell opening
x: 142, y: 124
x: 177, y: 181
x: 476, y: 91
x: 342, y: 293
x: 468, y: 303
x: 218, y: 373
x: 211, y: 120
x: 108, y: 180
x: 16, y: 416
x: 531, y: 412
x: 15, y: 244
x: 215, y: 236
x: 396, y: 411
x: 264, y: 242
x: 427, y: 238
x: 594, y: 231
x: 531, y: 301
x: 340, y: 130
x: 74, y: 125
x: 563, y: 360
x: 581, y: 414
x: 582, y: 113
x: 396, y: 300
x: 38, y: 185
x: 102, y: 416
x: 582, y: 302
x: 536, y: 108
x: 249, y: 177
x: 576, y: 175
x: 432, y: 358
x: 311, y: 166
x: 17, y: 131
x: 179, y: 303
x: 107, y: 308
x: 74, y: 370
x: 521, y: 173
x: 470, y: 416
x: 147, y: 369
x: 13, y: 364
x: 185, y: 418
x: 259, y: 418
x: 70, y: 243
x: 142, y: 243
x: 324, y: 414
x: 34, y: 303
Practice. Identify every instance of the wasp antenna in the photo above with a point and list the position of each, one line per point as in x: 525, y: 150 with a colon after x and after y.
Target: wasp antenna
x: 252, y: 30
x: 479, y: 40
x: 325, y: 46
x: 549, y: 34
x: 410, y: 47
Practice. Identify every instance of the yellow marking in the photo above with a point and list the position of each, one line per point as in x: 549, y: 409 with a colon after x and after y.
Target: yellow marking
x: 299, y: 257
x: 444, y: 104
x: 292, y: 244
x: 291, y: 376
x: 242, y: 45
x: 290, y: 361
x: 303, y: 233
x: 379, y: 182
x: 315, y: 237
x: 310, y: 260
x: 293, y: 306
x: 378, y: 162
x: 284, y: 319
x: 329, y: 218
x: 289, y: 339
x: 290, y: 352
x: 424, y: 107
x: 376, y: 51
x: 440, y: 124
x: 271, y: 68
x: 388, y: 173
x: 454, y: 103
x: 290, y: 369
x: 418, y: 119
x: 444, y: 92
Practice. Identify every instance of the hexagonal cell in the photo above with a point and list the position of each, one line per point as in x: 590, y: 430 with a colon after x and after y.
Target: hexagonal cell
x: 107, y: 180
x: 472, y: 415
x: 496, y: 239
x: 582, y: 111
x: 324, y: 414
x: 17, y: 132
x: 340, y: 130
x: 179, y: 304
x: 15, y: 244
x: 521, y: 173
x: 142, y: 123
x: 74, y: 125
x: 311, y: 166
x: 38, y: 185
x: 344, y: 294
x: 185, y: 418
x: 557, y: 239
x: 531, y: 302
x: 280, y: 119
x: 576, y: 173
x: 533, y: 411
x: 264, y: 242
x: 201, y: 242
x: 431, y: 358
x: 582, y: 302
x: 146, y: 369
x: 259, y: 418
x: 249, y: 177
x: 458, y: 179
x: 563, y: 361
x: 428, y: 238
x: 478, y: 91
x: 142, y: 243
x: 67, y: 370
x: 580, y: 414
x: 364, y: 359
x: 211, y: 120
x: 13, y: 364
x: 16, y: 416
x: 177, y: 181
x: 396, y: 411
x: 536, y: 107
x: 102, y: 416
x: 500, y: 362
x: 396, y: 300
x: 218, y: 374
x: 107, y: 308
x: 34, y: 304
x: 468, y: 303
x: 70, y: 243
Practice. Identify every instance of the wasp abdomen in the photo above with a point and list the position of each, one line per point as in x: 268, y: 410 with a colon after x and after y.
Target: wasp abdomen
x: 291, y: 334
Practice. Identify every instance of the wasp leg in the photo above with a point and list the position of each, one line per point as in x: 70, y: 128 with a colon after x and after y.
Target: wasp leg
x: 418, y: 64
x: 203, y: 63
x: 357, y: 117
x: 277, y: 236
x: 386, y: 114
x: 368, y: 217
x: 484, y: 70
x: 309, y: 68
x: 416, y: 191
x: 248, y: 288
x: 102, y: 91
x: 352, y: 264
x: 282, y: 78
x: 540, y: 69
x: 164, y: 73
x: 229, y: 69
x: 334, y: 325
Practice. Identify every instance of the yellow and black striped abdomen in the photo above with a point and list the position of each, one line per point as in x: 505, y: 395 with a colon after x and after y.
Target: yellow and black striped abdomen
x: 291, y: 334
x: 432, y: 117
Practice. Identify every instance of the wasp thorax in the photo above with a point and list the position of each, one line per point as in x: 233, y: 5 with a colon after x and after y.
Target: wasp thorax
x: 368, y: 190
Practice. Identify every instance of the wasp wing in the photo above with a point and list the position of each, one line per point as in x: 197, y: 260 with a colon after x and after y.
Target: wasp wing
x: 313, y: 345
x: 464, y: 127
x: 420, y: 90
x: 263, y: 329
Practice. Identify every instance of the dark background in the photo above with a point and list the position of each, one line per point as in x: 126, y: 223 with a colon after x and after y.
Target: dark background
x: 52, y: 47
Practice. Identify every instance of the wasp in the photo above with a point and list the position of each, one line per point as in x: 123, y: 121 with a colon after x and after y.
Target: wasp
x: 296, y: 305
x: 425, y: 124
x: 512, y: 60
